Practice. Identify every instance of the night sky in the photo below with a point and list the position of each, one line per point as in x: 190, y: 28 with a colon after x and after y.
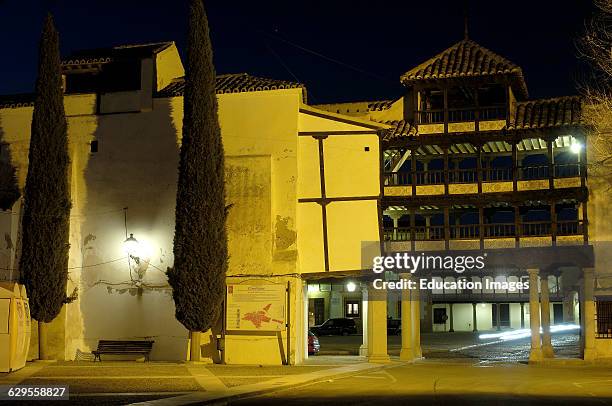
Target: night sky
x: 342, y: 50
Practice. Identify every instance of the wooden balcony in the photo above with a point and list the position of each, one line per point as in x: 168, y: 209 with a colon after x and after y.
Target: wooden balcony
x: 489, y: 231
x: 489, y: 175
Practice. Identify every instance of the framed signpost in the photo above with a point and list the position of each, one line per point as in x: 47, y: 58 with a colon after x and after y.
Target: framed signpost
x: 256, y: 307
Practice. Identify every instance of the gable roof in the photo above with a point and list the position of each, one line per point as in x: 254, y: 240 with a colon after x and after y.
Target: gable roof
x: 235, y: 83
x: 465, y: 59
x: 555, y: 112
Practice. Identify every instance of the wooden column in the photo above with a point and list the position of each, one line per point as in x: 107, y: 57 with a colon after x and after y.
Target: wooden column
x: 413, y: 167
x: 412, y: 230
x: 551, y: 167
x: 481, y: 226
x: 446, y: 173
x: 517, y: 226
x: 553, y: 222
x: 479, y: 167
x: 445, y: 110
x: 476, y: 112
x: 446, y: 228
x: 514, y: 166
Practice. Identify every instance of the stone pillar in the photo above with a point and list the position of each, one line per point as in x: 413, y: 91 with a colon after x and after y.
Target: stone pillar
x: 522, y: 315
x: 568, y: 307
x: 547, y: 349
x: 377, y: 325
x: 427, y: 226
x: 534, y: 316
x: 406, y: 353
x: 588, y: 313
x: 451, y: 328
x: 498, y: 316
x: 415, y: 307
x: 363, y: 349
x: 474, y: 319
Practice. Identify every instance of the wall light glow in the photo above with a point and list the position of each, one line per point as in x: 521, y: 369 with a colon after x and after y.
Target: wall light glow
x: 351, y: 286
x: 575, y: 147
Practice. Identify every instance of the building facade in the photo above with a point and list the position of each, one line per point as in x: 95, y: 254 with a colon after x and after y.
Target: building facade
x: 292, y: 200
x: 463, y: 163
x: 471, y: 164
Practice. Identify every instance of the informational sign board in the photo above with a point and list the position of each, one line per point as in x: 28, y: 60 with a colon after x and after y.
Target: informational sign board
x: 256, y: 307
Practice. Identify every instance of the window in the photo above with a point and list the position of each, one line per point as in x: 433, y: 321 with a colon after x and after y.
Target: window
x: 351, y: 308
x: 604, y: 319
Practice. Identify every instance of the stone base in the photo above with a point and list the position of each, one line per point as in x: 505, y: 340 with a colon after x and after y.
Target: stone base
x: 547, y: 351
x: 406, y: 354
x: 536, y: 355
x: 379, y: 358
x: 589, y: 354
x: 363, y: 350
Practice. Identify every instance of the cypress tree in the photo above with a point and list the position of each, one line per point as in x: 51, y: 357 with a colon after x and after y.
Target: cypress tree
x: 200, y: 241
x: 45, y: 226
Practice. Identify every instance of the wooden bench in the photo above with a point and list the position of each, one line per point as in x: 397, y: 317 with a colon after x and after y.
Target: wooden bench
x: 123, y: 347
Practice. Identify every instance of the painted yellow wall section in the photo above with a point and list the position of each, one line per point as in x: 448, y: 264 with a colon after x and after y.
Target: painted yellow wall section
x: 168, y: 66
x: 272, y: 237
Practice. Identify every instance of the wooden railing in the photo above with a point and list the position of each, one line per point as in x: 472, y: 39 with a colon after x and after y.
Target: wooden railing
x: 458, y: 115
x: 436, y: 177
x: 490, y: 230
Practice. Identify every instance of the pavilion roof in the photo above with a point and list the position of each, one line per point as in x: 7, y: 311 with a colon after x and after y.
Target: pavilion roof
x: 465, y: 59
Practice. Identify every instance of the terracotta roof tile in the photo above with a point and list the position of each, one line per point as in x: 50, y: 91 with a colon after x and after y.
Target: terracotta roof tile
x: 557, y: 112
x: 106, y: 55
x: 464, y: 59
x: 400, y: 129
x: 13, y: 101
x: 235, y: 83
x: 380, y: 105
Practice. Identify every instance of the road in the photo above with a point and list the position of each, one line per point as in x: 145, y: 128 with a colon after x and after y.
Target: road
x: 455, y: 383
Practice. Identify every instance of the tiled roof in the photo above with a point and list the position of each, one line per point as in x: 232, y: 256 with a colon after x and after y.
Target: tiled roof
x: 380, y: 105
x: 557, y: 112
x: 464, y: 59
x: 235, y: 83
x: 105, y: 55
x: 400, y: 129
x: 13, y: 101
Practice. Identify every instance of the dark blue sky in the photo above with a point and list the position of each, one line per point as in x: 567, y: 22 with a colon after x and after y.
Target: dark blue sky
x: 379, y: 40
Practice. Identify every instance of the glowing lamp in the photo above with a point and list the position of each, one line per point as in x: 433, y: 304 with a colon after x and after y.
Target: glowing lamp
x: 351, y: 286
x: 131, y: 246
x: 576, y: 147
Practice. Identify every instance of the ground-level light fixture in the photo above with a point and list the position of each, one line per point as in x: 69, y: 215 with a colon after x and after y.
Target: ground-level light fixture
x: 351, y: 286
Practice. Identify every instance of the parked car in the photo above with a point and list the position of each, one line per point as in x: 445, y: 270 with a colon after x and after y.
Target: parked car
x: 336, y: 327
x: 313, y: 343
x: 394, y: 327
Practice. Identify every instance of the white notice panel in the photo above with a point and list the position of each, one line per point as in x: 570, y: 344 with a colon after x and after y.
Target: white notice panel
x: 256, y: 307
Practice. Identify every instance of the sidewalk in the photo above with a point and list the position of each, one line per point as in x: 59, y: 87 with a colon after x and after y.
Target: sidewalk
x: 167, y: 383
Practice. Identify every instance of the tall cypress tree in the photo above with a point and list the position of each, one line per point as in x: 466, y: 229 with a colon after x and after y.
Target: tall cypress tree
x: 45, y: 226
x: 200, y: 240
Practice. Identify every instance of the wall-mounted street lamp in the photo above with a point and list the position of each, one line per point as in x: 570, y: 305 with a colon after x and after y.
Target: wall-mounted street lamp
x: 132, y: 248
x: 351, y: 286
